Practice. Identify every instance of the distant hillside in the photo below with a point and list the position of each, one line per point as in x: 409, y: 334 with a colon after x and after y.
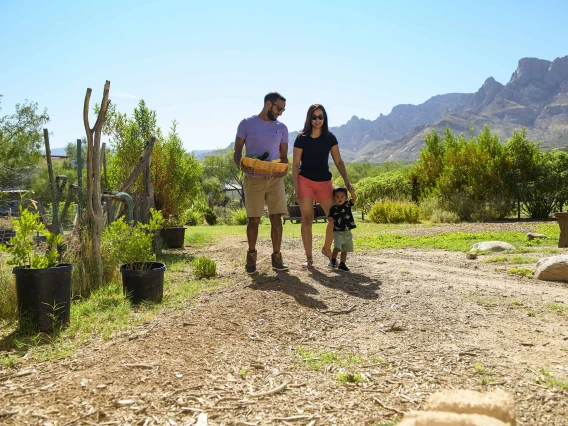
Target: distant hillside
x: 535, y: 97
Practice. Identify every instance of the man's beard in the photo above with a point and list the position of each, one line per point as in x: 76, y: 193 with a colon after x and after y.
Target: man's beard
x: 271, y: 115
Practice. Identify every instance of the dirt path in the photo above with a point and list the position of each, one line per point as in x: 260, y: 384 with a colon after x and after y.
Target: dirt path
x: 413, y: 321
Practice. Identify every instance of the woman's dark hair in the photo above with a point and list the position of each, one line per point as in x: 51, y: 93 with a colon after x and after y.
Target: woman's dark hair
x: 308, y: 124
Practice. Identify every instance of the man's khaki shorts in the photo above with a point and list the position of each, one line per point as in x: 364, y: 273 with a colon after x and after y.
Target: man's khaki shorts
x: 343, y: 240
x: 260, y: 189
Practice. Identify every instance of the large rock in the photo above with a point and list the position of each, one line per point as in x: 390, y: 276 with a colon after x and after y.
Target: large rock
x: 498, y: 404
x: 553, y: 268
x: 493, y: 246
x: 439, y: 418
x: 464, y: 408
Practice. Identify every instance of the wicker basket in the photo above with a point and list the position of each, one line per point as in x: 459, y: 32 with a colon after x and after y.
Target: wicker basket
x: 263, y: 167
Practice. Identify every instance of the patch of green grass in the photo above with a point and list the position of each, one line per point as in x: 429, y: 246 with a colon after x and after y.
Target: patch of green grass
x: 391, y: 423
x: 551, y: 381
x: 316, y: 360
x: 103, y: 315
x: 483, y: 372
x: 243, y: 372
x: 520, y: 260
x: 559, y: 308
x: 176, y: 262
x: 484, y: 300
x: 457, y: 241
x: 349, y: 378
x: 523, y: 272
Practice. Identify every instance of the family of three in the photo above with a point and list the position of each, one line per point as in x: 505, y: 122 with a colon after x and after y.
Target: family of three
x: 312, y: 182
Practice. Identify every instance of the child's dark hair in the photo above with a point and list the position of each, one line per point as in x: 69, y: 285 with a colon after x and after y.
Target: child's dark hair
x: 339, y: 189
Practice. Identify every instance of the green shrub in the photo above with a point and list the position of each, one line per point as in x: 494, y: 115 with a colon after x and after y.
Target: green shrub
x: 239, y: 217
x: 443, y: 216
x: 210, y: 216
x: 132, y: 245
x: 428, y: 206
x: 392, y: 185
x: 204, y: 267
x: 193, y: 217
x: 389, y: 211
x: 7, y: 293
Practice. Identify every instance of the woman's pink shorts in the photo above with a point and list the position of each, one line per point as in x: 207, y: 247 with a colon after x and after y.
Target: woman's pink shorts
x: 316, y: 190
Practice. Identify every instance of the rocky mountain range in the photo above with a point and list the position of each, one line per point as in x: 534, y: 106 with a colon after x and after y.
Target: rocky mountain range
x: 536, y: 97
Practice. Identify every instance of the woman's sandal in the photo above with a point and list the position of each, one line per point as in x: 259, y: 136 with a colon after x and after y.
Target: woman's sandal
x: 326, y: 252
x: 308, y: 264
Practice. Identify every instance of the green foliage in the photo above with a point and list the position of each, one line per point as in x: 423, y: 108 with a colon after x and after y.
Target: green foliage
x: 523, y: 272
x: 455, y: 241
x: 210, y: 216
x: 204, y: 267
x: 174, y: 172
x: 221, y: 167
x: 132, y: 245
x: 389, y: 211
x: 193, y: 217
x: 21, y: 247
x: 391, y: 185
x: 349, y: 378
x: 444, y: 216
x: 359, y: 170
x: 480, y: 179
x: 175, y: 175
x: 238, y: 217
x: 21, y: 140
x: 7, y: 293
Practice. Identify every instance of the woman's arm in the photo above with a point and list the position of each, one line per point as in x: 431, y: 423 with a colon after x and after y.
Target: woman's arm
x: 342, y: 171
x: 297, y: 156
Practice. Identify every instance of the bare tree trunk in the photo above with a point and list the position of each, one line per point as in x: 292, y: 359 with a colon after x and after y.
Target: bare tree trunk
x: 93, y: 228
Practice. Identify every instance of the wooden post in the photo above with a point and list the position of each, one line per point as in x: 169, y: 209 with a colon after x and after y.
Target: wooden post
x: 94, y: 213
x: 79, y: 177
x: 55, y: 206
x: 562, y: 218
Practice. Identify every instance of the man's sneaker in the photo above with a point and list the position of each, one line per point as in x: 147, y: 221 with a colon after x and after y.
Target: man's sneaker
x: 250, y: 266
x: 332, y: 264
x: 343, y: 267
x: 277, y: 263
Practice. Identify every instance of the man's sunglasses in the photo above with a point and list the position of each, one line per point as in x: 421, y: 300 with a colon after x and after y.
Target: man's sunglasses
x: 318, y: 117
x: 278, y: 108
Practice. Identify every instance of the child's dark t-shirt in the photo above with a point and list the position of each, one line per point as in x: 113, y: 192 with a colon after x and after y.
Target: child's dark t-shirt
x: 342, y: 217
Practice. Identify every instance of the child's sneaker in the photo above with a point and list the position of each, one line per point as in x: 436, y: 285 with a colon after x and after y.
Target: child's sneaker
x: 343, y: 267
x: 332, y: 264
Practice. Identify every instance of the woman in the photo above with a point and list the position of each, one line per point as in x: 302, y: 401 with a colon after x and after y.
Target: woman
x: 312, y: 178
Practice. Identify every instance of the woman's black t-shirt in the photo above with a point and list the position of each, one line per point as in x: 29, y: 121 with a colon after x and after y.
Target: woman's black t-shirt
x: 315, y: 156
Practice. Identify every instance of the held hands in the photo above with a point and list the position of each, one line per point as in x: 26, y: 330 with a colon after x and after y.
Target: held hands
x: 352, y: 192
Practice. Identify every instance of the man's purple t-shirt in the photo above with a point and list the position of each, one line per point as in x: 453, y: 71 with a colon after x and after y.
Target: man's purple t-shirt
x: 261, y: 136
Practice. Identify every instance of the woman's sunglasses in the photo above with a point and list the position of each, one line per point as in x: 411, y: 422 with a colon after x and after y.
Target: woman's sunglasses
x: 318, y: 117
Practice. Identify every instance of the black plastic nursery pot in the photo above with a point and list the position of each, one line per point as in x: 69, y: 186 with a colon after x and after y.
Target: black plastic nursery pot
x: 44, y: 297
x: 145, y: 284
x: 174, y: 236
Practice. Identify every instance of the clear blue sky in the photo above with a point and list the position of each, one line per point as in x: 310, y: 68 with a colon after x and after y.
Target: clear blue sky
x: 208, y: 65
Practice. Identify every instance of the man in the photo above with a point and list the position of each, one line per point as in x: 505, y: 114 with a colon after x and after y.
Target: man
x: 259, y: 134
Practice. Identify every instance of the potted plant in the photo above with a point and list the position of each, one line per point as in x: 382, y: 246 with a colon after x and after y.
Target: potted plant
x: 173, y: 232
x: 43, y: 284
x: 131, y: 246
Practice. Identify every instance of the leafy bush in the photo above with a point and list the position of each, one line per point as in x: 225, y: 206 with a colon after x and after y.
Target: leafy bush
x: 204, y: 267
x: 132, y: 245
x: 21, y: 247
x: 391, y: 211
x: 210, y: 216
x: 7, y: 293
x: 443, y: 216
x: 428, y: 206
x: 392, y: 185
x: 193, y: 217
x: 239, y: 217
